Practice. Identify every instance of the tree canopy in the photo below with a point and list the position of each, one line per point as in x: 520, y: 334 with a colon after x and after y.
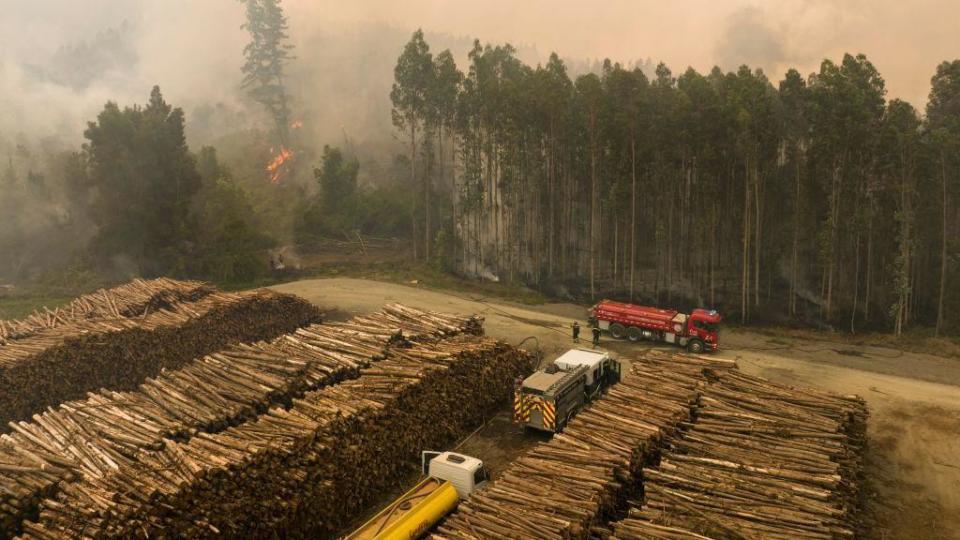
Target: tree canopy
x: 787, y: 200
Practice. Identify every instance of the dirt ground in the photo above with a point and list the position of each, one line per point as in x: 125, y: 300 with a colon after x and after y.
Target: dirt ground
x: 912, y: 462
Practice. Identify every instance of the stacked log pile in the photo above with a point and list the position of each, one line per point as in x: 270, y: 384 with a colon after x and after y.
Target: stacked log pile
x: 299, y: 471
x: 422, y: 326
x: 66, y: 362
x: 87, y: 438
x: 762, y: 461
x: 137, y: 298
x: 568, y: 487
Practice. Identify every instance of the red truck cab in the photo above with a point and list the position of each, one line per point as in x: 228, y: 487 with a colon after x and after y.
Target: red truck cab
x: 698, y: 331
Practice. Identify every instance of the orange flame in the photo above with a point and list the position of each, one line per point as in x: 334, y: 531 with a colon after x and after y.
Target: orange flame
x: 278, y: 166
x: 296, y: 124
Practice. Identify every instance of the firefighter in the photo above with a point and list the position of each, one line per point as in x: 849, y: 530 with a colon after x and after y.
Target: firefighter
x: 596, y: 337
x: 576, y: 332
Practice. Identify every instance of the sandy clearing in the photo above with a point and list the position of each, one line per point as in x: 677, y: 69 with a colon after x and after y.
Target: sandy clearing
x: 913, y: 465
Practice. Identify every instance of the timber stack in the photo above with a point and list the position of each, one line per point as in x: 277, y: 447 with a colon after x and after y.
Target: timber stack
x: 135, y: 299
x: 65, y: 362
x: 423, y: 326
x: 300, y: 471
x: 762, y: 460
x: 88, y: 438
x: 568, y: 487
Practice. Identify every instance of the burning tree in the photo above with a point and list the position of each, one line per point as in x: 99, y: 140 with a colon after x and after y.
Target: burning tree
x: 266, y: 55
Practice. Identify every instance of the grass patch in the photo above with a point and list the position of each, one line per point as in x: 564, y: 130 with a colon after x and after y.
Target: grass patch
x: 17, y: 306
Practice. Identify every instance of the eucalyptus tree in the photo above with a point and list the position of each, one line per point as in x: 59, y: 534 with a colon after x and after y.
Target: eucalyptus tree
x: 753, y: 107
x: 721, y: 183
x: 703, y: 162
x: 626, y: 101
x: 795, y: 97
x: 900, y: 138
x: 847, y: 103
x: 943, y: 119
x: 589, y: 102
x: 553, y: 96
x: 447, y: 80
x: 413, y: 83
x: 665, y: 104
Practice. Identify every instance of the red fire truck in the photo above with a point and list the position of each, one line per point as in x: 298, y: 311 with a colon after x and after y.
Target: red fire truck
x: 696, y: 331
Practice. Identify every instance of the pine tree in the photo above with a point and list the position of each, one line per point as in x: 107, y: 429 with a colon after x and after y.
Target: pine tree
x: 266, y: 56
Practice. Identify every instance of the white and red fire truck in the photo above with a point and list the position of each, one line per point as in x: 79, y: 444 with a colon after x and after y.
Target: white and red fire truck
x: 697, y: 331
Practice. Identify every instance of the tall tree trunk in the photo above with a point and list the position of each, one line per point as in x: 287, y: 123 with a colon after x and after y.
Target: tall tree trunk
x: 745, y: 255
x: 670, y: 242
x: 856, y: 287
x: 413, y: 182
x: 593, y: 218
x: 869, y: 276
x: 794, y: 256
x: 633, y: 213
x: 430, y: 184
x: 713, y: 252
x: 551, y: 227
x: 758, y: 223
x: 833, y: 232
x: 903, y: 277
x: 616, y: 247
x: 943, y: 242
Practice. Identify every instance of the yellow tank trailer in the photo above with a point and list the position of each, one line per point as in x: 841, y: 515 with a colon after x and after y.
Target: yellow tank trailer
x: 450, y: 477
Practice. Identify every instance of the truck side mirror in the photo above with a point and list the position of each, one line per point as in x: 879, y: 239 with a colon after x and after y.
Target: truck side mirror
x: 425, y: 458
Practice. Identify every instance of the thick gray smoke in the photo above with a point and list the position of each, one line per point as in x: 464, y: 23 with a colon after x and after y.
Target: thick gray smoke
x: 748, y: 39
x: 60, y: 60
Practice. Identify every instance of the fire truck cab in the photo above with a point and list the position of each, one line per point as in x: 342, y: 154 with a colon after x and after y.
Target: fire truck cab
x: 698, y: 331
x: 549, y: 398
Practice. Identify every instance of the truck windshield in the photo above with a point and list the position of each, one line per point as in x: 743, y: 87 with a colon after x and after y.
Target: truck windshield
x: 709, y: 327
x: 481, y: 475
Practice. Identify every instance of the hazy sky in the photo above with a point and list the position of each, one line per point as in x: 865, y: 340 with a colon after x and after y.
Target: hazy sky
x: 905, y: 39
x: 192, y: 47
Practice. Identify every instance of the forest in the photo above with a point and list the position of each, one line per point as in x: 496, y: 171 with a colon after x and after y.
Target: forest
x: 813, y: 198
x: 810, y: 200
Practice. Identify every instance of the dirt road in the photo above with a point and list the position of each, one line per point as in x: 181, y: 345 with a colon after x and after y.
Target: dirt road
x: 914, y: 454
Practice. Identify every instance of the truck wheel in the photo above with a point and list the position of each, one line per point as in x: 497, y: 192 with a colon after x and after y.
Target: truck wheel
x: 617, y: 330
x: 695, y: 346
x: 634, y: 334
